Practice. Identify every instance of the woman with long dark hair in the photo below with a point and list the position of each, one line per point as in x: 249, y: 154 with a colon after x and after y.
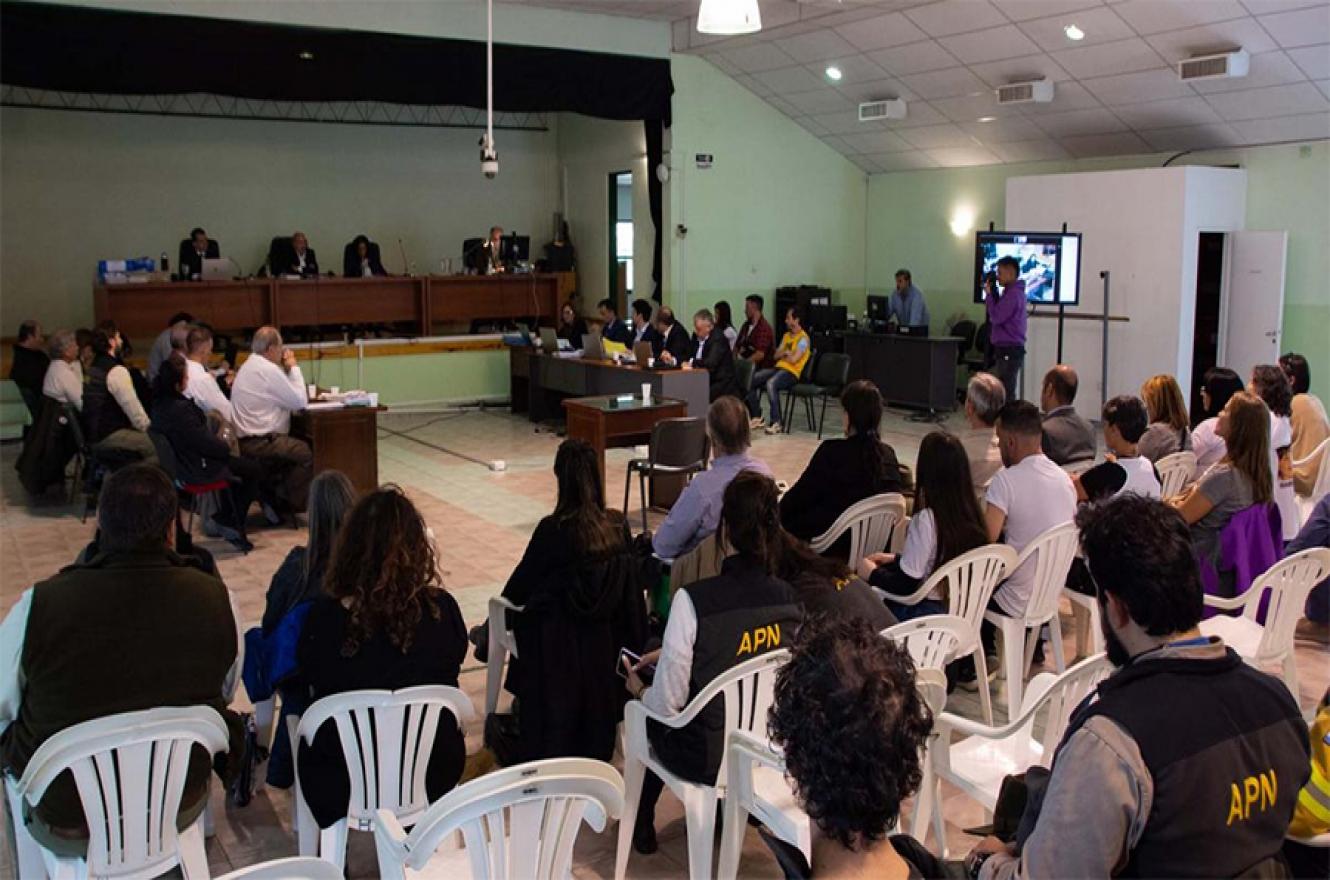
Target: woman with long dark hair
x: 725, y: 323
x: 582, y: 602
x: 947, y: 522
x: 1269, y: 383
x: 1218, y: 385
x: 826, y: 586
x: 710, y: 630
x: 385, y: 622
x: 571, y: 326
x: 843, y: 471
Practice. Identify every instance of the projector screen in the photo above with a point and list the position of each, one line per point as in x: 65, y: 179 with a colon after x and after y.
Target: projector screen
x: 1050, y: 263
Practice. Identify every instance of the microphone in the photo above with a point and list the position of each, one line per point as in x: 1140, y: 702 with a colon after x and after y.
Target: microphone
x: 402, y: 249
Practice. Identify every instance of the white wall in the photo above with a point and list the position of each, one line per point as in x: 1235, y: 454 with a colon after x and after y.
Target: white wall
x: 1141, y: 226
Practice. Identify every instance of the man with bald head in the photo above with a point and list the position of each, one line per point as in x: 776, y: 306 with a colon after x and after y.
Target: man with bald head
x: 1067, y: 436
x: 268, y: 388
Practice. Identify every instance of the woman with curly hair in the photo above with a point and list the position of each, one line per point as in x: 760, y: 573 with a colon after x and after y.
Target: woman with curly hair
x: 852, y: 725
x: 385, y: 622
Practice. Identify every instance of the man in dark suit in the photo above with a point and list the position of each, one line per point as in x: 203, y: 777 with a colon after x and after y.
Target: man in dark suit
x: 1067, y: 436
x: 491, y: 253
x: 712, y: 353
x: 301, y: 259
x: 193, y: 251
x: 614, y: 329
x: 643, y: 330
x: 674, y: 346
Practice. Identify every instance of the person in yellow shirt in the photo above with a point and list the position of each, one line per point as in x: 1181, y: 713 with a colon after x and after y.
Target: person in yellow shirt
x: 790, y: 358
x: 1311, y: 816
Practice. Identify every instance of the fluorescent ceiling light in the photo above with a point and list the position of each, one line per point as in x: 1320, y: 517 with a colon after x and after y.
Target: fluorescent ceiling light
x: 1073, y: 32
x: 987, y: 118
x: 729, y: 17
x: 834, y: 73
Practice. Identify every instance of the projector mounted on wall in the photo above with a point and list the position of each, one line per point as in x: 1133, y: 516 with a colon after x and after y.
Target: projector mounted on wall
x: 1039, y: 91
x: 872, y: 111
x: 1225, y: 65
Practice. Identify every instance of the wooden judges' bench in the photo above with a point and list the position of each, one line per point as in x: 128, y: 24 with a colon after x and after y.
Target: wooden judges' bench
x: 142, y: 310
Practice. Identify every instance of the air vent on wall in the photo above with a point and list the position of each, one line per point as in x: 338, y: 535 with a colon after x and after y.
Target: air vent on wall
x: 1038, y: 92
x: 1224, y: 65
x: 871, y: 111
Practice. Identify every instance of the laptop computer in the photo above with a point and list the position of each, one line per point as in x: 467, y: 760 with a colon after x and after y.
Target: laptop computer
x: 217, y: 270
x: 549, y: 340
x: 643, y: 353
x: 592, y: 349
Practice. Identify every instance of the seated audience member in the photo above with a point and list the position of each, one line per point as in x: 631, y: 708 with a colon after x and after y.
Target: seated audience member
x: 385, y: 621
x: 200, y: 455
x: 1269, y: 383
x: 571, y: 327
x: 361, y: 259
x: 169, y: 340
x: 1310, y: 424
x: 83, y: 336
x: 1311, y: 815
x: 193, y: 251
x: 643, y: 329
x: 1126, y: 470
x: 673, y: 346
x: 612, y: 328
x: 789, y: 360
x: 709, y: 631
x: 852, y: 726
x: 843, y: 472
x: 64, y: 375
x: 581, y: 602
x: 1067, y: 436
x: 725, y: 324
x: 984, y: 399
x: 1169, y: 431
x: 134, y: 627
x: 299, y: 579
x: 28, y: 368
x: 1151, y: 778
x: 112, y: 411
x: 710, y: 351
x: 1241, y: 479
x: 756, y: 340
x: 947, y: 523
x: 826, y: 585
x: 1315, y: 627
x: 1219, y: 384
x: 696, y: 513
x: 268, y: 388
x: 203, y: 388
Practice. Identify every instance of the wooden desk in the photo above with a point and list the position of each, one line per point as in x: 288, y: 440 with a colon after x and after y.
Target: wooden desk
x: 594, y: 420
x: 458, y: 299
x: 382, y: 299
x: 142, y: 310
x: 539, y: 382
x: 913, y: 370
x: 345, y: 439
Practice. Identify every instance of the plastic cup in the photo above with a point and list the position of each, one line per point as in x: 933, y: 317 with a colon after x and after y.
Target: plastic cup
x: 646, y: 393
x: 313, y: 391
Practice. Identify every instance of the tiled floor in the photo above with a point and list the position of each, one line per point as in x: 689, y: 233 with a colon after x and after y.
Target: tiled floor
x: 482, y: 520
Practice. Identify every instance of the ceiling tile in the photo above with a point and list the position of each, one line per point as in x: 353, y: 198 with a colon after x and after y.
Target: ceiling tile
x: 933, y: 136
x: 837, y: 144
x: 853, y: 68
x: 914, y: 58
x: 756, y: 58
x: 820, y: 101
x: 945, y: 83
x: 1192, y: 137
x: 956, y: 17
x: 1145, y: 85
x: 881, y: 32
x: 1080, y: 122
x: 1167, y: 114
x: 1153, y: 16
x: 1024, y: 10
x: 1066, y: 96
x: 723, y: 64
x: 1000, y: 73
x: 782, y: 105
x: 808, y: 123
x: 754, y: 85
x: 1314, y: 126
x: 876, y: 142
x: 1305, y: 27
x: 1290, y: 100
x: 903, y: 161
x: 1240, y: 33
x: 1120, y: 144
x: 962, y: 157
x: 1324, y: 86
x: 1264, y: 7
x: 843, y: 122
x: 990, y: 45
x: 1029, y: 151
x: 816, y: 46
x: 790, y: 79
x: 1100, y: 26
x: 865, y: 163
x: 969, y: 108
x: 1003, y: 130
x: 875, y: 90
x: 920, y: 113
x: 1269, y: 69
x: 1312, y: 60
x: 1123, y: 56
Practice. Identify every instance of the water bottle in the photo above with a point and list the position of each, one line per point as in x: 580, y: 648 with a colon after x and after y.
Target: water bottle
x: 166, y: 266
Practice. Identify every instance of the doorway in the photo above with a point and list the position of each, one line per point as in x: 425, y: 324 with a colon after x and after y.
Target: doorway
x: 620, y: 237
x: 1205, y: 332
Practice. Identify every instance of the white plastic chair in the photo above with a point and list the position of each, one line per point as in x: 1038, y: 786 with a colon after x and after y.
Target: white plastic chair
x: 387, y: 739
x: 978, y: 763
x: 1288, y: 582
x: 970, y: 579
x: 932, y: 641
x: 746, y: 689
x: 870, y: 523
x: 502, y: 643
x: 519, y: 823
x: 1053, y: 552
x: 298, y: 868
x: 1322, y: 485
x: 1175, y: 472
x: 130, y: 772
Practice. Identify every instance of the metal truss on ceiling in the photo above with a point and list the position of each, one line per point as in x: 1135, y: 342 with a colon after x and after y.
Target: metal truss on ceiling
x: 224, y: 107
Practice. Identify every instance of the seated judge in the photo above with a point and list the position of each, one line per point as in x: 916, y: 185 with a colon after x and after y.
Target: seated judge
x: 643, y: 329
x: 193, y: 251
x: 571, y: 326
x: 613, y: 328
x: 299, y: 259
x: 1067, y: 436
x: 711, y: 351
x: 907, y: 304
x: 674, y: 346
x: 491, y: 252
x: 361, y: 259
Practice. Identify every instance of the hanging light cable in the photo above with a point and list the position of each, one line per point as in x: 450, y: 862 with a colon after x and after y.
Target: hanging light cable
x: 729, y: 17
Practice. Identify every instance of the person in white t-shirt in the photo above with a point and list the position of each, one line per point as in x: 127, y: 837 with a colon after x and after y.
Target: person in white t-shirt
x: 1029, y: 496
x: 1269, y: 383
x: 203, y: 388
x: 1219, y: 384
x: 1125, y: 420
x: 268, y: 388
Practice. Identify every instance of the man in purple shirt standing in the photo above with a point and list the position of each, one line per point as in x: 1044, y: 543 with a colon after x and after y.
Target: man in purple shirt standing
x: 1006, y: 324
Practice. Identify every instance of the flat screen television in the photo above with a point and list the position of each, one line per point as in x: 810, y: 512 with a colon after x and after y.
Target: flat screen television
x: 1050, y: 263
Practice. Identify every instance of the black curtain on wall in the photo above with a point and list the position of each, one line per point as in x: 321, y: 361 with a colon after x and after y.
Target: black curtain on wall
x: 655, y: 197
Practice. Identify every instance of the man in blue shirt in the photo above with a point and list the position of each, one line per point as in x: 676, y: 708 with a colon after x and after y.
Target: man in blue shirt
x: 907, y: 306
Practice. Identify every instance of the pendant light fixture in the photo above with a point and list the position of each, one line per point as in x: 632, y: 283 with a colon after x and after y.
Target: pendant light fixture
x: 729, y: 17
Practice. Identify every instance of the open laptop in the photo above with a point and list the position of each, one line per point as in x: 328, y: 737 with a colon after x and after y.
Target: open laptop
x: 642, y: 353
x: 217, y: 270
x: 592, y: 349
x: 549, y: 340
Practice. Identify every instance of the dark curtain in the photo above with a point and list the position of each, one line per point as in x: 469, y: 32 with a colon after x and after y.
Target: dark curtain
x: 655, y: 195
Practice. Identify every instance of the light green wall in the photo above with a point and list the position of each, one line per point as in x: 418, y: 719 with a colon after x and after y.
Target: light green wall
x: 778, y: 206
x: 1288, y: 187
x: 450, y: 377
